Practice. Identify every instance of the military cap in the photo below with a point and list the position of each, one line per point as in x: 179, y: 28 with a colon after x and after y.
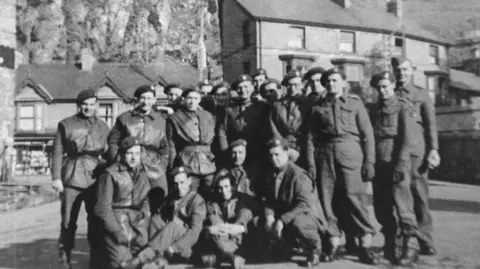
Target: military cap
x: 380, y: 76
x: 127, y: 143
x: 169, y: 87
x: 398, y: 61
x: 313, y: 71
x: 276, y: 142
x: 86, y: 94
x: 238, y: 142
x: 291, y: 74
x: 259, y: 72
x: 186, y: 92
x: 328, y: 73
x: 181, y: 169
x: 240, y: 79
x: 143, y: 89
x: 219, y: 86
x: 204, y: 82
x: 270, y: 81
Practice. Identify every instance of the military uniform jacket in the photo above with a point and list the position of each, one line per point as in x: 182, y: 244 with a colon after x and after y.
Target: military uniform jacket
x: 150, y: 130
x: 425, y: 127
x: 248, y: 121
x: 245, y: 179
x: 79, y: 142
x: 340, y: 119
x: 190, y: 135
x: 189, y: 211
x: 122, y: 199
x: 392, y: 125
x: 296, y: 195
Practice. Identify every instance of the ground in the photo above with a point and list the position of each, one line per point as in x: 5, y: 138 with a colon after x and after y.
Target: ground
x: 28, y: 236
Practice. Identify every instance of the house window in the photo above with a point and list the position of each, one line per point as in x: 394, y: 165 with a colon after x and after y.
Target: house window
x: 347, y: 41
x: 398, y: 45
x: 105, y: 112
x: 246, y: 30
x: 434, y: 55
x: 246, y: 67
x: 30, y: 117
x: 295, y: 37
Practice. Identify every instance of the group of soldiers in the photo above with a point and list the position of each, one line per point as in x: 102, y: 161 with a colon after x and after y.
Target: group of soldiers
x: 261, y: 170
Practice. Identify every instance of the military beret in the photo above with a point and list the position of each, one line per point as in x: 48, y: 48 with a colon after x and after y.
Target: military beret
x: 276, y: 142
x: 143, y: 89
x: 128, y: 142
x: 313, y: 71
x: 383, y: 75
x: 259, y: 72
x: 169, y: 87
x: 398, y: 61
x: 181, y: 169
x: 291, y: 74
x: 240, y: 79
x: 328, y: 73
x: 86, y: 94
x: 219, y: 86
x: 270, y: 81
x: 186, y: 92
x: 238, y: 142
x: 204, y: 82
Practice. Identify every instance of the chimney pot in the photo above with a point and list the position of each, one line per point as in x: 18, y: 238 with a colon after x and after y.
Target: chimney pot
x: 87, y: 60
x: 395, y: 7
x: 344, y: 3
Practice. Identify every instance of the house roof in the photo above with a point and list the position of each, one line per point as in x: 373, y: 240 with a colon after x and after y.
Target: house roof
x: 327, y: 13
x: 65, y: 81
x: 464, y: 80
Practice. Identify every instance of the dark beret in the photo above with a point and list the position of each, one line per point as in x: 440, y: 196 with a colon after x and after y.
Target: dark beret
x: 143, y: 89
x: 238, y: 142
x: 86, y: 94
x: 204, y: 83
x: 259, y: 72
x: 219, y: 86
x: 313, y: 71
x: 383, y: 75
x: 398, y: 61
x: 291, y: 74
x: 181, y: 169
x: 328, y: 73
x: 167, y: 88
x: 186, y: 92
x: 276, y: 142
x: 127, y: 143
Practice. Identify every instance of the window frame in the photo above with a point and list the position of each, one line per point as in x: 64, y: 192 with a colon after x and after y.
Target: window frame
x: 246, y: 33
x: 436, y: 57
x: 105, y: 117
x: 354, y: 44
x: 303, y: 34
x: 38, y: 117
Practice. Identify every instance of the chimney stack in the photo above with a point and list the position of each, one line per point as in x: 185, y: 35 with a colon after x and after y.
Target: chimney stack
x: 87, y: 60
x: 344, y: 3
x: 395, y: 7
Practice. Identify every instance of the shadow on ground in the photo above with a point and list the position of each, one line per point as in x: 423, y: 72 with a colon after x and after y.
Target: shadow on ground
x: 42, y: 254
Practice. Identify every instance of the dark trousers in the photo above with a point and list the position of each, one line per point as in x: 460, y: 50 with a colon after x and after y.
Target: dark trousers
x: 162, y: 235
x: 71, y: 200
x: 419, y: 188
x: 341, y: 191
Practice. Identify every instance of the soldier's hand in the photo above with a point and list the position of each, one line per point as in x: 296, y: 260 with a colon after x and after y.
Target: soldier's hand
x: 57, y: 185
x: 278, y: 228
x: 293, y: 154
x: 269, y: 222
x: 433, y: 159
x: 169, y: 252
x: 368, y: 172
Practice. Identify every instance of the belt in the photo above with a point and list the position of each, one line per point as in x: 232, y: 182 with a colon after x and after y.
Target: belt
x: 84, y: 154
x: 197, y: 148
x: 337, y: 139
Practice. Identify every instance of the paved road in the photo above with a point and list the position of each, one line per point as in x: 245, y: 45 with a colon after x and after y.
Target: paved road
x: 28, y: 237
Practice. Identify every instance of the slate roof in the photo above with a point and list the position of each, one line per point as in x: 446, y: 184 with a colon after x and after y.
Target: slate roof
x: 65, y: 81
x: 464, y: 80
x: 328, y: 13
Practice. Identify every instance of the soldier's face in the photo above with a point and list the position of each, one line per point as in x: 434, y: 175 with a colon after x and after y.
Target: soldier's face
x: 239, y: 154
x: 146, y: 101
x: 221, y: 96
x: 316, y: 84
x: 224, y: 188
x: 132, y: 156
x: 404, y: 72
x: 88, y: 107
x: 335, y: 83
x: 245, y: 90
x: 386, y: 89
x: 294, y: 86
x: 182, y: 183
x: 278, y: 156
x: 174, y: 95
x: 206, y: 89
x: 192, y: 100
x: 258, y: 81
x: 272, y: 92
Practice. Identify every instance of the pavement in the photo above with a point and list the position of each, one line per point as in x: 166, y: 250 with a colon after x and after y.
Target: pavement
x: 28, y: 236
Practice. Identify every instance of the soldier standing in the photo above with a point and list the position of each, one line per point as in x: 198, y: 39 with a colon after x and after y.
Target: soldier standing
x: 271, y: 90
x: 259, y: 77
x: 190, y: 134
x: 80, y: 141
x: 174, y: 94
x: 392, y: 124
x: 341, y: 154
x: 424, y: 153
x: 149, y: 127
x: 313, y: 77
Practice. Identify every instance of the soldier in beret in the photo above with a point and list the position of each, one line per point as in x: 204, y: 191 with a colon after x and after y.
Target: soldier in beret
x: 205, y: 87
x: 174, y: 94
x: 176, y: 228
x: 341, y: 156
x: 246, y: 120
x: 122, y: 205
x: 271, y: 90
x: 313, y: 77
x: 292, y: 213
x: 424, y: 153
x: 191, y: 131
x: 79, y: 142
x: 259, y: 77
x: 392, y: 124
x: 287, y: 115
x: 149, y: 127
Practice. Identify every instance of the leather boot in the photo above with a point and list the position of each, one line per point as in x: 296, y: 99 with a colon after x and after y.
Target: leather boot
x: 351, y: 246
x: 313, y: 259
x: 209, y: 260
x: 65, y: 258
x: 366, y: 256
x: 389, y: 248
x: 409, y: 255
x: 329, y: 254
